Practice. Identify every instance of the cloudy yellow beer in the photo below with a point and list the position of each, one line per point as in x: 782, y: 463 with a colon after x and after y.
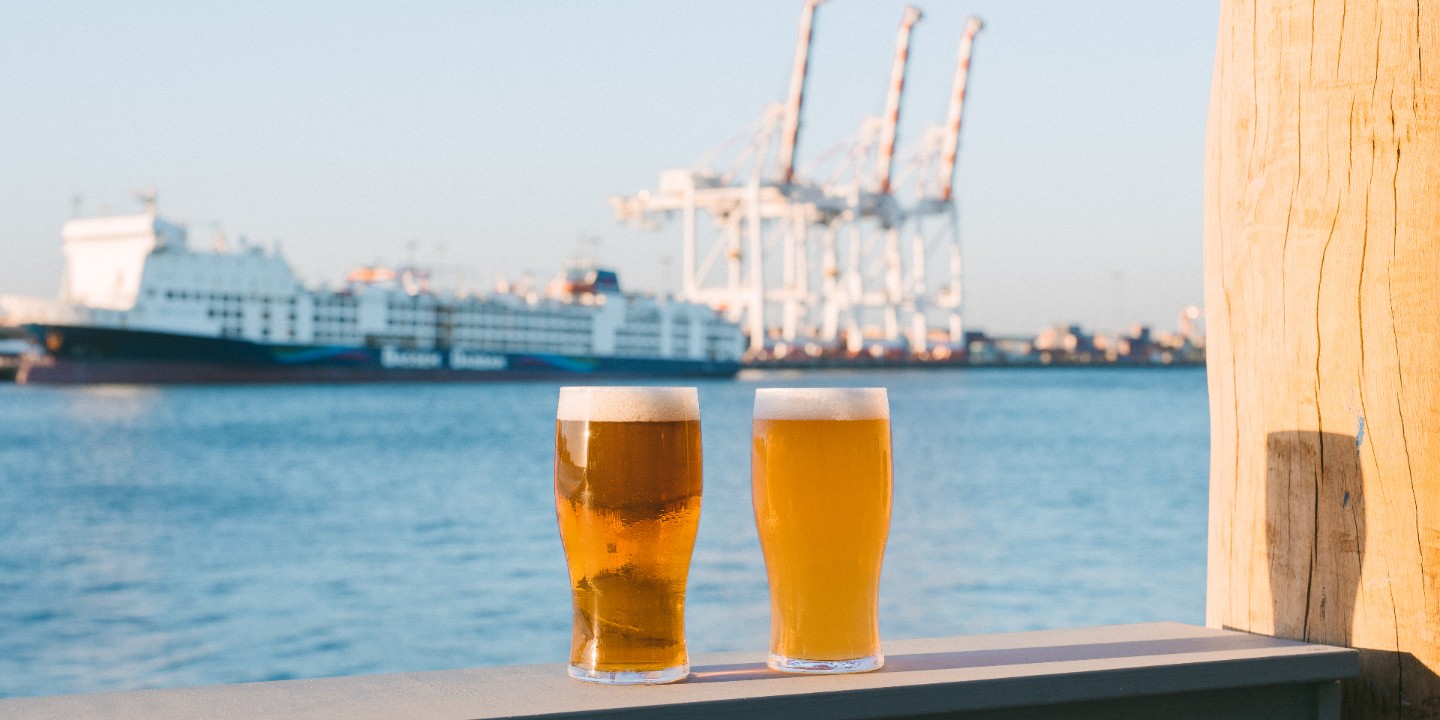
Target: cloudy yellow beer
x: 821, y: 482
x: 627, y: 496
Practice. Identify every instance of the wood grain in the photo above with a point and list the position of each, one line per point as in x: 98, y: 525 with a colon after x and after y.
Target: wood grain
x: 1322, y: 272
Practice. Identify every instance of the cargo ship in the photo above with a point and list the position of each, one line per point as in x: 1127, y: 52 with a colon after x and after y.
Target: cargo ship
x: 139, y: 305
x: 13, y: 347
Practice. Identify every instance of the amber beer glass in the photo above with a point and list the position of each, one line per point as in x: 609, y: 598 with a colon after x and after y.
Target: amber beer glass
x: 821, y: 478
x: 627, y: 495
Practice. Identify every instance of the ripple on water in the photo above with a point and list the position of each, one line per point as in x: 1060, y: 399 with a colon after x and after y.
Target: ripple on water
x: 181, y: 536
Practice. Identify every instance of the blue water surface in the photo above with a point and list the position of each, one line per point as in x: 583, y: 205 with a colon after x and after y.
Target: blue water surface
x: 161, y: 537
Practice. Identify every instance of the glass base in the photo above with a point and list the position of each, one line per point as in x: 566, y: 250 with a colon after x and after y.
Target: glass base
x: 825, y: 667
x: 630, y: 677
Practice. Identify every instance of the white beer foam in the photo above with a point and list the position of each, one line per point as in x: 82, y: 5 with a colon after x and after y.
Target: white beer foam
x: 629, y: 404
x: 822, y: 404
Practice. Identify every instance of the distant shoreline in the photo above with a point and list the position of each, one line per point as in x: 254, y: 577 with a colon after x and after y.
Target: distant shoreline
x: 977, y: 366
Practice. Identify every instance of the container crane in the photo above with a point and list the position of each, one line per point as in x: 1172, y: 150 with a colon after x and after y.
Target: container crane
x: 936, y: 162
x: 804, y: 257
x: 790, y: 129
x: 860, y: 194
x: 951, y: 148
x: 884, y: 163
x: 741, y: 200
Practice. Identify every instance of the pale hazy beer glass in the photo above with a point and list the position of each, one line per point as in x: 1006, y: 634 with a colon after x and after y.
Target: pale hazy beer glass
x: 821, y: 482
x: 627, y: 495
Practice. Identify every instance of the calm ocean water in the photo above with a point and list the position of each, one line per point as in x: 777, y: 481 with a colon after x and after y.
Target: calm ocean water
x: 184, y: 536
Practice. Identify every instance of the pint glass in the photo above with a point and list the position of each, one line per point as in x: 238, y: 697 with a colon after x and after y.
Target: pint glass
x: 821, y: 478
x: 627, y: 495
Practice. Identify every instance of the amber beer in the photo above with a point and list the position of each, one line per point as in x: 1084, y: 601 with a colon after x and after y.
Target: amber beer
x: 821, y: 478
x: 627, y: 495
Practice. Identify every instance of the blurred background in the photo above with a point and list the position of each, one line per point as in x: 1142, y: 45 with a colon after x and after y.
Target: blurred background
x: 362, y: 191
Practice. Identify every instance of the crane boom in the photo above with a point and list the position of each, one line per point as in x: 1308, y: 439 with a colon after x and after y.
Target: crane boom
x: 891, y: 120
x: 790, y: 131
x: 951, y: 148
x: 870, y: 284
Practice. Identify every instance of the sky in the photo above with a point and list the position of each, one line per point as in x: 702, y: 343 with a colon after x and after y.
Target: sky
x: 483, y: 138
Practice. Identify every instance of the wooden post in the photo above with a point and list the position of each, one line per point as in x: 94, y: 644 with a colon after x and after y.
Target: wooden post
x: 1322, y: 290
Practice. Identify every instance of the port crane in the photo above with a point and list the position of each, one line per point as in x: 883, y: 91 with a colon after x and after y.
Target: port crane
x: 934, y: 163
x: 814, y: 263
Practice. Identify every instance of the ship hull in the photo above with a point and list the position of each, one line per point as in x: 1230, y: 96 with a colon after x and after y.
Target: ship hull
x: 91, y: 355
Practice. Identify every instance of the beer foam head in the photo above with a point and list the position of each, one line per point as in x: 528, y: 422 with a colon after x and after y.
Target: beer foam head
x: 822, y: 404
x: 629, y: 404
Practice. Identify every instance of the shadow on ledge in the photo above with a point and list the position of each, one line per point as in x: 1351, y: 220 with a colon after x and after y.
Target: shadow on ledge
x: 971, y: 659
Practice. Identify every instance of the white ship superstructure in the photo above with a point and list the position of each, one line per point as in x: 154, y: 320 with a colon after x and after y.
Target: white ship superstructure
x: 138, y: 273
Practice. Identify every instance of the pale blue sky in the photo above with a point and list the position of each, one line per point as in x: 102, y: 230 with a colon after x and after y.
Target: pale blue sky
x: 491, y: 133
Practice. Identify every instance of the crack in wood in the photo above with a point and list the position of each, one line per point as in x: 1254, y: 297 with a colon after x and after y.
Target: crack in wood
x: 1271, y: 253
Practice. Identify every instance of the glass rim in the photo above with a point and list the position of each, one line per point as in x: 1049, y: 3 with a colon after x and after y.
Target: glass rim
x: 823, y: 390
x: 628, y: 403
x: 835, y: 403
x: 629, y: 388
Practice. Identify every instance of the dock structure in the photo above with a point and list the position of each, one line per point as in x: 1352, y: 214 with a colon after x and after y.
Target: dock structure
x: 838, y: 255
x: 1322, y: 267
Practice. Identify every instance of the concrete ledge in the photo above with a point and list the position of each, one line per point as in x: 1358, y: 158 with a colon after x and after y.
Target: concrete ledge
x: 1147, y: 670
